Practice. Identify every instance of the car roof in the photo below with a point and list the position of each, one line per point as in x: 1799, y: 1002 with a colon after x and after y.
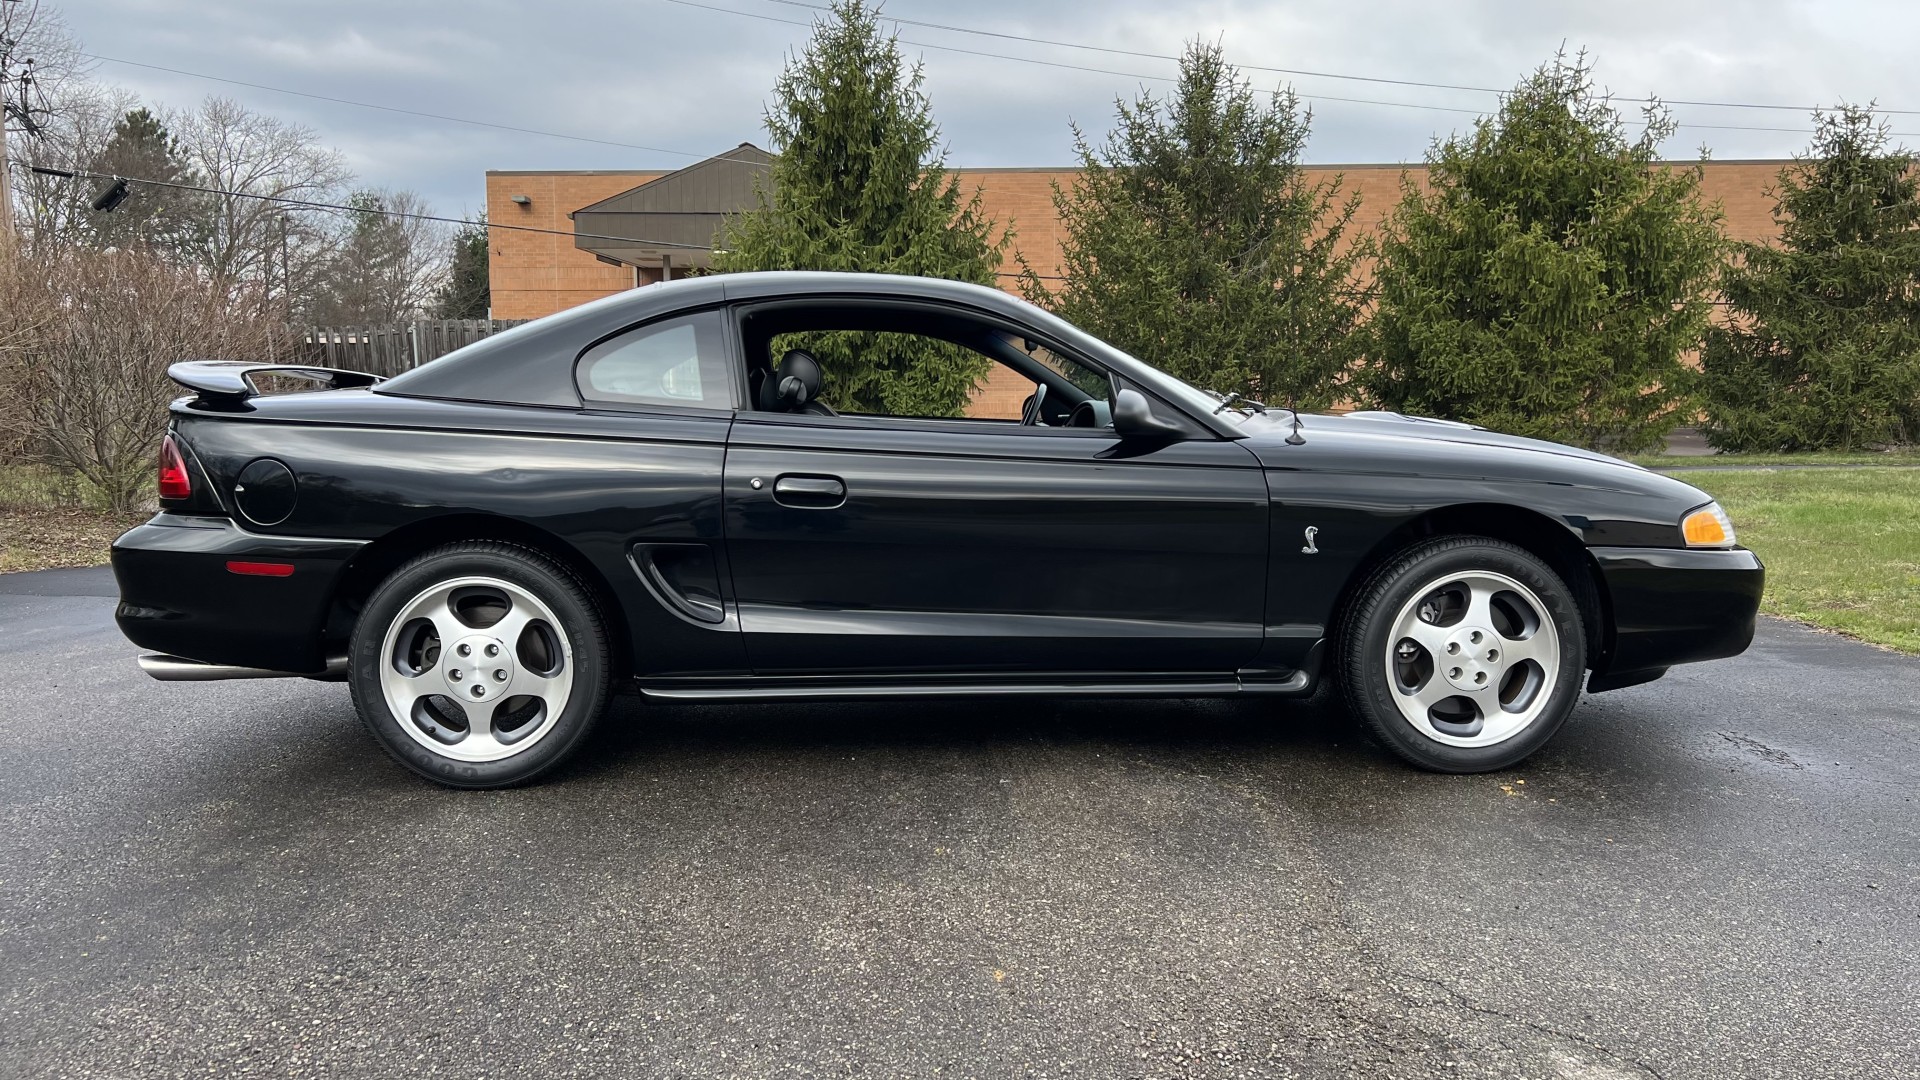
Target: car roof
x: 533, y: 364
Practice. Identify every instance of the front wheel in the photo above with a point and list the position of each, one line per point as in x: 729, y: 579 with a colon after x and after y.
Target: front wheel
x: 479, y: 664
x: 1463, y: 654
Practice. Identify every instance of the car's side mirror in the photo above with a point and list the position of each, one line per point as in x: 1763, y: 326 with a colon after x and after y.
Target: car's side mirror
x: 1133, y: 419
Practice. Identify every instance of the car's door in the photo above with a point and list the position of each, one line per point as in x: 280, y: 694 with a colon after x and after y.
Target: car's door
x: 879, y: 544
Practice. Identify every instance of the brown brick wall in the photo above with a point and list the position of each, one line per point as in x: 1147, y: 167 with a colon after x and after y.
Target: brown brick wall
x: 1744, y: 190
x: 1023, y: 197
x: 1021, y: 200
x: 535, y: 274
x: 1001, y: 395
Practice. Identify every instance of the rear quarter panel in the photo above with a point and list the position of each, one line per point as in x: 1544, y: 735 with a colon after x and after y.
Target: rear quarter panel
x: 369, y: 465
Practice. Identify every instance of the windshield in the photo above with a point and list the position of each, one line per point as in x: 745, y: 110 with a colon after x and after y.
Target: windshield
x: 1090, y: 381
x: 1190, y: 397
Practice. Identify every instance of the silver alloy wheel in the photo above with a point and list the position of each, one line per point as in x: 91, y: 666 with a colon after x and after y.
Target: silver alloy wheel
x: 476, y: 669
x: 1473, y: 658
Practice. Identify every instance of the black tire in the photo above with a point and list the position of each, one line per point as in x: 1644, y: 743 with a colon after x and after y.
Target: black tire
x: 551, y: 585
x: 1367, y: 681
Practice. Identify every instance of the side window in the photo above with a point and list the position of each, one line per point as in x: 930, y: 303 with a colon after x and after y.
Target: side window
x: 895, y: 373
x: 1000, y: 395
x: 679, y: 361
x: 913, y: 363
x: 1094, y: 383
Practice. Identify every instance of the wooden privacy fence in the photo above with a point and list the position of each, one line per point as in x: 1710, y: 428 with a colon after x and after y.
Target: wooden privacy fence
x: 390, y: 350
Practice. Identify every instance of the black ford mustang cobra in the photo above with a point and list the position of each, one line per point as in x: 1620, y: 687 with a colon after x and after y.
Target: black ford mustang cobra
x: 651, y: 491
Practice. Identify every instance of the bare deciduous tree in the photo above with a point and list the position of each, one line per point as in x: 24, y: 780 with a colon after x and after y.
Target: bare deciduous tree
x: 92, y: 379
x: 25, y: 312
x: 54, y: 213
x: 38, y: 33
x: 234, y: 149
x: 41, y: 64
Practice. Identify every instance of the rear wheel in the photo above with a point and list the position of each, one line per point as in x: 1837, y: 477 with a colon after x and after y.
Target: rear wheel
x: 479, y: 665
x: 1463, y: 654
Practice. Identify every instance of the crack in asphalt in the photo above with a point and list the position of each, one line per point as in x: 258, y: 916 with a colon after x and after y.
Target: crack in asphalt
x: 1461, y: 1000
x: 1762, y: 750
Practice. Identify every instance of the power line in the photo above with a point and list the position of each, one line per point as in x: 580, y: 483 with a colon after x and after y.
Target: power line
x: 1305, y: 97
x: 494, y: 125
x: 1308, y: 73
x: 1073, y: 67
x: 345, y: 208
x: 401, y: 111
x: 1149, y: 55
x: 72, y: 174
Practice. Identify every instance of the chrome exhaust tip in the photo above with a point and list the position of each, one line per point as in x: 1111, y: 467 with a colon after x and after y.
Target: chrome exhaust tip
x: 180, y: 669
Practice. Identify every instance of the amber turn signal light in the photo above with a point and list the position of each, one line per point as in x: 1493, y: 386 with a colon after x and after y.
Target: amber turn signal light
x: 1708, y: 526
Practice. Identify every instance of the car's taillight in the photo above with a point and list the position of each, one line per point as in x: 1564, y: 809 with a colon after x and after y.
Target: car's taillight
x: 174, y: 483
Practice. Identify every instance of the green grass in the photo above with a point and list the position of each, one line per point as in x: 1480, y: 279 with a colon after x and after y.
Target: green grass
x: 26, y: 486
x: 1842, y: 546
x: 47, y: 538
x: 1903, y: 456
x: 49, y: 518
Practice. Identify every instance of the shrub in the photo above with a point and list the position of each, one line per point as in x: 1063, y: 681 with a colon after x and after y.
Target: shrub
x: 1551, y: 276
x: 1194, y: 241
x: 860, y: 184
x: 1821, y: 349
x: 89, y: 365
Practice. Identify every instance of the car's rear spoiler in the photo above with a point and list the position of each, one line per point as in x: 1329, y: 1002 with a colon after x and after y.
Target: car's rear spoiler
x: 229, y: 383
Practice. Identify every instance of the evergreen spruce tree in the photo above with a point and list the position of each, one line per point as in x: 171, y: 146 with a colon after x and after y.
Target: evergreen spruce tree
x: 163, y: 219
x: 1821, y: 346
x: 860, y: 183
x: 1194, y: 241
x: 467, y: 293
x: 1549, y: 278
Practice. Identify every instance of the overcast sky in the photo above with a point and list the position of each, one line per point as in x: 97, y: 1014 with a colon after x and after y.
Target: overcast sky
x: 674, y: 77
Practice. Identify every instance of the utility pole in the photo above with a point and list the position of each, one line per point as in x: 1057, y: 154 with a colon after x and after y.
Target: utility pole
x: 6, y: 114
x: 8, y: 110
x: 6, y: 176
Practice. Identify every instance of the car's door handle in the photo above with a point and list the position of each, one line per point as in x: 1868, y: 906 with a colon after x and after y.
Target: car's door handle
x: 813, y: 492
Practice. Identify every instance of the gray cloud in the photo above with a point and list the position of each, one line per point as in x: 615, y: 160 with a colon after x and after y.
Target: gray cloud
x: 663, y: 75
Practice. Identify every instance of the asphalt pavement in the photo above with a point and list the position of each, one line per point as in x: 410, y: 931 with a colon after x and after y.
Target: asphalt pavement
x: 1711, y: 876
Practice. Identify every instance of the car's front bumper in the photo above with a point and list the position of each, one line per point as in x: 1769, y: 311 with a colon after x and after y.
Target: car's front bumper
x: 177, y: 595
x: 1674, y: 606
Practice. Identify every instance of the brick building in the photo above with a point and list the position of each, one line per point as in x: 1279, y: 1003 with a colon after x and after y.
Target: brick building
x: 534, y: 274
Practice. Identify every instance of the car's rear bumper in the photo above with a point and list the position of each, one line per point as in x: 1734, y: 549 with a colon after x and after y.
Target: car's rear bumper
x: 1674, y: 606
x: 177, y: 595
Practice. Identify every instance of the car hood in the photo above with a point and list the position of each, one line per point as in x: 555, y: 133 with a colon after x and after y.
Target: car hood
x: 1412, y: 432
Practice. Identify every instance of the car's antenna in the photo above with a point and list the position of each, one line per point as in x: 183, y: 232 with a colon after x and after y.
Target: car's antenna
x: 1293, y: 407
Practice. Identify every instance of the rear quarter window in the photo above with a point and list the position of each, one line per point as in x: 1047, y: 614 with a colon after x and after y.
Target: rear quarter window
x: 679, y: 361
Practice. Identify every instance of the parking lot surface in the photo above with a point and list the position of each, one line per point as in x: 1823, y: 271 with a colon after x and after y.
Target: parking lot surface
x: 1710, y: 876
